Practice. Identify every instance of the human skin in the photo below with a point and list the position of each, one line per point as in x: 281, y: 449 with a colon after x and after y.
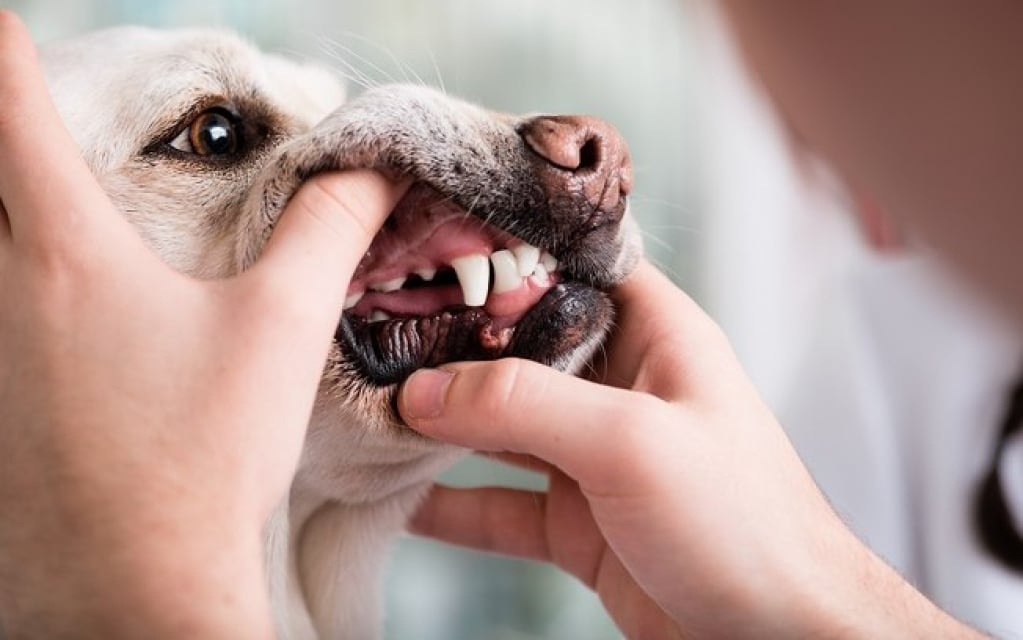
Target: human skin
x: 141, y: 451
x: 915, y: 103
x: 673, y: 492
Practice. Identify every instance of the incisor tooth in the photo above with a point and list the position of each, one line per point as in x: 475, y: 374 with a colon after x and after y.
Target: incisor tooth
x: 549, y: 262
x: 473, y: 273
x: 379, y: 316
x: 426, y: 273
x: 353, y: 299
x: 527, y: 256
x: 389, y: 286
x: 506, y: 271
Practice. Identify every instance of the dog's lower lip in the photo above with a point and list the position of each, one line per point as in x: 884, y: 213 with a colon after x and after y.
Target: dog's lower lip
x: 388, y: 352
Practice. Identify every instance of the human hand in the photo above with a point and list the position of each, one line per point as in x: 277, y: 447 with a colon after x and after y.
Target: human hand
x: 149, y: 422
x: 673, y: 493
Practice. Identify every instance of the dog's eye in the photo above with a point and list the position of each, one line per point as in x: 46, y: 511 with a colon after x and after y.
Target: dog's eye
x: 213, y: 133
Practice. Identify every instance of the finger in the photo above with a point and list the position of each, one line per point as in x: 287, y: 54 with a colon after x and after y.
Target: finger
x: 321, y: 236
x: 585, y: 429
x: 663, y: 342
x: 500, y: 520
x: 521, y: 461
x: 44, y: 183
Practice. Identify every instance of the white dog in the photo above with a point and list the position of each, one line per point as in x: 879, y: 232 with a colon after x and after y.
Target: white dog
x: 501, y: 248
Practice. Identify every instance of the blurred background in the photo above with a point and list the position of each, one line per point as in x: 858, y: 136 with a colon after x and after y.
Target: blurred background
x: 757, y: 233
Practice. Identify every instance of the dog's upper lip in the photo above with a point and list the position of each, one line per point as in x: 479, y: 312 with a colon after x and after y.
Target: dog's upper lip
x: 431, y: 254
x: 389, y: 330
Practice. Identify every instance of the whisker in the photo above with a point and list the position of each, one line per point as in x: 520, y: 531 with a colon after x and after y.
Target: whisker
x: 339, y: 47
x: 405, y: 68
x: 350, y: 71
x: 673, y: 227
x: 669, y: 270
x: 436, y: 70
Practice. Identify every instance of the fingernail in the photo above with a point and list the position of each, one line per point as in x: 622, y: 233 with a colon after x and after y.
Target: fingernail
x: 422, y: 396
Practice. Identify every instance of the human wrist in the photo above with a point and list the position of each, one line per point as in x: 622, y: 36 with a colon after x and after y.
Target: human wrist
x: 863, y: 597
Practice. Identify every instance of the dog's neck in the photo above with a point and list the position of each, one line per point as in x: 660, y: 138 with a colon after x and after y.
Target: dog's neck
x: 325, y: 560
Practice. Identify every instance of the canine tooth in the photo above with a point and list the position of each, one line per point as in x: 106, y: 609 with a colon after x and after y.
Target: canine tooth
x: 389, y: 286
x: 527, y: 256
x: 473, y: 273
x: 353, y: 300
x: 426, y: 273
x: 506, y: 271
x: 549, y: 262
x: 540, y: 276
x: 379, y: 316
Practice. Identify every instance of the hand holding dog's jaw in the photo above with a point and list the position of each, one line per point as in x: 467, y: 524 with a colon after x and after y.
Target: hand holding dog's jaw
x: 673, y: 493
x: 140, y: 464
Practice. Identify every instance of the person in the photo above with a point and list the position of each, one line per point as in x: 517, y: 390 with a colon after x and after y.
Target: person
x: 674, y: 492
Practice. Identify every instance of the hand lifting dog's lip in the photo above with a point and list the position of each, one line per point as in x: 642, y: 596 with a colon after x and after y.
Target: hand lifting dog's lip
x: 445, y: 280
x: 512, y: 230
x: 502, y: 246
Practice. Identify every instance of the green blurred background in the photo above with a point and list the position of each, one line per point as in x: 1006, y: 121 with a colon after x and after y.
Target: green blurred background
x: 627, y: 62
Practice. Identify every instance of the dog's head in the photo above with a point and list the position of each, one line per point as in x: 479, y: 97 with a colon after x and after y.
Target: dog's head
x: 503, y: 246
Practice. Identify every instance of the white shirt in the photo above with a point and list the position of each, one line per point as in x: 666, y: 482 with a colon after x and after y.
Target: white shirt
x: 895, y: 408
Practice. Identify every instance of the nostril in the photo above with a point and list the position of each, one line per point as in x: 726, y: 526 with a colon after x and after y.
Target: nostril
x: 555, y: 141
x: 589, y: 154
x: 583, y: 160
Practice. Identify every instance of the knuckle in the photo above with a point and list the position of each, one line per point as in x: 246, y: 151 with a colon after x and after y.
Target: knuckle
x: 502, y: 386
x: 272, y: 299
x: 51, y: 261
x: 647, y: 423
x: 337, y: 211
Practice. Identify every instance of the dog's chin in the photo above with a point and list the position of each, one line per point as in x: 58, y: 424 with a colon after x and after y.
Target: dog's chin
x: 418, y: 317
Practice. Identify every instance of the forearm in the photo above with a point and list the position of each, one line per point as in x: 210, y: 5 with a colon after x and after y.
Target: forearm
x: 868, y: 599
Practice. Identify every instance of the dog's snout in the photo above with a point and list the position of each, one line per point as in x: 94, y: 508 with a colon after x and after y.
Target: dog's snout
x: 585, y: 157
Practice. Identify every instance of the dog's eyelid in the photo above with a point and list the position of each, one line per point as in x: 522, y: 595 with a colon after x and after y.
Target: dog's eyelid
x: 169, y: 134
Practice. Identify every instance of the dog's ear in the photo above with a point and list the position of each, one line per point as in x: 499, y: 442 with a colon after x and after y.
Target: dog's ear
x: 313, y: 91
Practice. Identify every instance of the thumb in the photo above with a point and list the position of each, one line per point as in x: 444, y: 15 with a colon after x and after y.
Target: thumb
x: 324, y: 232
x: 525, y: 407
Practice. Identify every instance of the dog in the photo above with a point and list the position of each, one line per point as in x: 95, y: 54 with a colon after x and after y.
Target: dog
x: 513, y: 230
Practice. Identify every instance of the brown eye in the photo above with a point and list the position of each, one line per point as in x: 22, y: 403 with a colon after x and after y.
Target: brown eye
x: 213, y: 133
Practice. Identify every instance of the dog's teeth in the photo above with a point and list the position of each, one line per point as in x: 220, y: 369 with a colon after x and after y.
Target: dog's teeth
x: 549, y: 262
x: 353, y: 300
x: 526, y: 256
x: 540, y: 276
x: 379, y: 316
x: 426, y: 273
x: 389, y: 286
x: 506, y: 272
x: 473, y: 273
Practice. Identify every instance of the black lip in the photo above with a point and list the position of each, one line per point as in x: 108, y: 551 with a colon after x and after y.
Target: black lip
x: 388, y: 352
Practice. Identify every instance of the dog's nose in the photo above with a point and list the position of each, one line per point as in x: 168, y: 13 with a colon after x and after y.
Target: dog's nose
x: 585, y: 157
